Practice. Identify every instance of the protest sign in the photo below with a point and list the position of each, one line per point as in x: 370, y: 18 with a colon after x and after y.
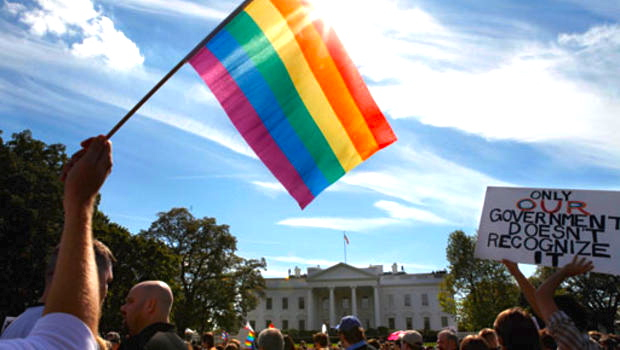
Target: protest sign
x: 550, y: 226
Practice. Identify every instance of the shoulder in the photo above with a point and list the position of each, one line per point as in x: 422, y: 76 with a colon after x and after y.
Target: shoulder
x: 165, y: 340
x: 23, y: 324
x: 55, y: 331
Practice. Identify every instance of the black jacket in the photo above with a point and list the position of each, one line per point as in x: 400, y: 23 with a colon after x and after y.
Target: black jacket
x: 158, y: 336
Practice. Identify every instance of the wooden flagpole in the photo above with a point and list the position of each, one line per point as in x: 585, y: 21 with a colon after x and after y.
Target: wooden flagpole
x: 176, y: 68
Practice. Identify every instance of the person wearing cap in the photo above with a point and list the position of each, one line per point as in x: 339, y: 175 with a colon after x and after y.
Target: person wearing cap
x: 411, y: 340
x: 351, y: 334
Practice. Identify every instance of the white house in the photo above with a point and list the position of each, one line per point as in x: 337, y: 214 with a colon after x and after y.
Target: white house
x: 395, y: 299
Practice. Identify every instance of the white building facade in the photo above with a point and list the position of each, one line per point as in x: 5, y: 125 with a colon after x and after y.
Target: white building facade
x: 395, y: 299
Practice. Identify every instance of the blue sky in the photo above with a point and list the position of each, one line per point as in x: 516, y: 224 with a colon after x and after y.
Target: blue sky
x: 484, y: 93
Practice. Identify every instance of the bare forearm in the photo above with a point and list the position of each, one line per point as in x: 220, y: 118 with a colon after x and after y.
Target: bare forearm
x: 74, y: 286
x: 545, y: 293
x: 528, y: 291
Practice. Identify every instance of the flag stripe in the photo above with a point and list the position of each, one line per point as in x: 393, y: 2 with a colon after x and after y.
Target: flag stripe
x: 379, y: 126
x: 327, y: 74
x: 249, y: 124
x: 268, y: 63
x: 260, y: 96
x: 274, y: 27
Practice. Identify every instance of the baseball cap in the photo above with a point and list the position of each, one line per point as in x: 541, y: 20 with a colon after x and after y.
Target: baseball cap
x: 348, y: 323
x: 412, y: 338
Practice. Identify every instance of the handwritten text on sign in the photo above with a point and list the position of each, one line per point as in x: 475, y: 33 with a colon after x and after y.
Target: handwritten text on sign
x: 550, y: 226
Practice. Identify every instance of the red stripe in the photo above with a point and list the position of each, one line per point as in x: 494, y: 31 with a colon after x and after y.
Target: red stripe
x: 377, y: 123
x: 249, y: 124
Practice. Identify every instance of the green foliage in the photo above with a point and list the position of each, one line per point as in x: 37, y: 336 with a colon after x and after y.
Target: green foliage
x: 31, y: 217
x: 138, y: 259
x: 476, y: 289
x: 217, y: 287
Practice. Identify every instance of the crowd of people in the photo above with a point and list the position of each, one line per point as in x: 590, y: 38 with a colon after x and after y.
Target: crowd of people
x: 78, y: 273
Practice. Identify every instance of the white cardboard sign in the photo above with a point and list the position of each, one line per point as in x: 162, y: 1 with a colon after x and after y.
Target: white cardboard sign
x: 550, y: 226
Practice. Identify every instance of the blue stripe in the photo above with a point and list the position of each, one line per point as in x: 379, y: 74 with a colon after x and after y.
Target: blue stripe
x: 241, y: 68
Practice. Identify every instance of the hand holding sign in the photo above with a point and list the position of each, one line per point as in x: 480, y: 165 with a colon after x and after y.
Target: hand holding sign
x: 577, y: 266
x: 551, y: 226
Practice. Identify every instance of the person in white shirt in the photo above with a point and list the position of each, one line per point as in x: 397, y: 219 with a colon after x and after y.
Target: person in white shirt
x: 71, y: 314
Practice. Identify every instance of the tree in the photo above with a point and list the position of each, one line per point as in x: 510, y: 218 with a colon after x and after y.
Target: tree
x: 217, y: 287
x: 138, y: 259
x: 31, y: 217
x: 476, y: 290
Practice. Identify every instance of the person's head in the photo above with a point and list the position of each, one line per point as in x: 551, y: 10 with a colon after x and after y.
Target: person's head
x: 516, y: 330
x: 447, y: 340
x: 146, y: 303
x: 546, y: 340
x: 207, y: 340
x: 490, y: 336
x: 319, y: 340
x: 104, y: 259
x: 474, y: 342
x: 411, y: 340
x: 574, y: 310
x: 231, y: 346
x: 289, y: 344
x: 374, y: 343
x: 270, y: 339
x: 350, y: 331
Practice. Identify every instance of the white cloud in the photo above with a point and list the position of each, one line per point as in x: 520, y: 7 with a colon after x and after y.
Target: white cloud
x: 341, y: 224
x: 173, y: 7
x: 449, y: 191
x: 559, y: 95
x: 73, y: 20
x: 402, y: 212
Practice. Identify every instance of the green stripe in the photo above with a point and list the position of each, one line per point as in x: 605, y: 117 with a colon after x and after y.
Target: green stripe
x: 268, y: 62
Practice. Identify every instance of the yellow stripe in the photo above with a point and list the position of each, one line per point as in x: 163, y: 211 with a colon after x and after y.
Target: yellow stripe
x: 277, y: 31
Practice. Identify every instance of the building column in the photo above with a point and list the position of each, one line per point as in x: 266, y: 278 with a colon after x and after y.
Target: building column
x: 377, y: 307
x: 310, y: 309
x: 332, y: 307
x: 354, y: 301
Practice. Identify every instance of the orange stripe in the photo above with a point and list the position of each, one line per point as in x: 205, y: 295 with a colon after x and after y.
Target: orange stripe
x: 374, y: 118
x: 327, y: 74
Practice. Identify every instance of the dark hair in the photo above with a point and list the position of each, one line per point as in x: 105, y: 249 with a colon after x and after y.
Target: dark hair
x: 103, y: 257
x: 354, y: 335
x: 289, y: 344
x: 320, y: 338
x: 546, y: 339
x: 207, y: 338
x: 516, y: 330
x: 450, y: 334
x: 474, y: 342
x: 574, y: 310
x: 270, y: 339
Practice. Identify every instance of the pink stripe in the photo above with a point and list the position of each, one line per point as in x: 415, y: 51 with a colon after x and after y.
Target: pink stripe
x: 249, y: 124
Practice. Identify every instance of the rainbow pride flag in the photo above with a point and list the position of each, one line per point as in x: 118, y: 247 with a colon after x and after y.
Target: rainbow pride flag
x: 289, y: 87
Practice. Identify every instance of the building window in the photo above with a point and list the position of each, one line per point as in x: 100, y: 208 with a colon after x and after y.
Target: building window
x: 345, y: 303
x: 409, y: 323
x: 284, y: 324
x: 365, y: 302
x: 325, y: 304
x: 444, y: 322
x: 427, y: 323
x: 391, y: 323
x: 407, y: 300
x: 301, y: 303
x: 269, y: 301
x: 391, y: 300
x: 302, y: 325
x: 284, y: 303
x: 424, y: 299
x: 253, y: 324
x: 267, y: 323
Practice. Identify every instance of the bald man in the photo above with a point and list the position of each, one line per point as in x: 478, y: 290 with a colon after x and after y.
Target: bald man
x: 146, y: 314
